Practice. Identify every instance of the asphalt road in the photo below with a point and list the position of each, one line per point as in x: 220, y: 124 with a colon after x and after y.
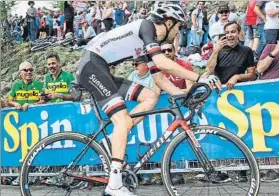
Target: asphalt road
x: 267, y: 189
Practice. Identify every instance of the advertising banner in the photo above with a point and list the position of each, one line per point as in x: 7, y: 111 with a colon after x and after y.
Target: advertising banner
x: 250, y: 110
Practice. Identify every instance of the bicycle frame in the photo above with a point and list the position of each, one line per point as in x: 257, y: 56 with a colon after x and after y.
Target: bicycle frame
x: 179, y: 122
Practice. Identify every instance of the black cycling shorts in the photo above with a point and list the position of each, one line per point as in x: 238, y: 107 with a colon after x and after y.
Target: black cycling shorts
x: 110, y: 91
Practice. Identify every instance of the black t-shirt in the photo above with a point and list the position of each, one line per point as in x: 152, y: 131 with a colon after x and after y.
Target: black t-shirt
x: 231, y: 61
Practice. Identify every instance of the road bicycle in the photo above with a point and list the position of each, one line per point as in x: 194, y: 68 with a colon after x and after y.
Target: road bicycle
x: 191, y: 154
x: 51, y: 41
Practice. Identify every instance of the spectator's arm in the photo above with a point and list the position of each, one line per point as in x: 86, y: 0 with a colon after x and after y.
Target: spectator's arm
x: 165, y: 84
x: 259, y: 13
x: 270, y: 11
x: 250, y: 75
x: 194, y: 17
x: 107, y: 13
x: 264, y: 64
x: 212, y: 62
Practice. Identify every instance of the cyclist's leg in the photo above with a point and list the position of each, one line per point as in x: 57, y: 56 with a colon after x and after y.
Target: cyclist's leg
x: 93, y: 74
x: 136, y: 92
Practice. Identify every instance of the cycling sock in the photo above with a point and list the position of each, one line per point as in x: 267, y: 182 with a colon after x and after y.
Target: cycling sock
x: 115, y: 180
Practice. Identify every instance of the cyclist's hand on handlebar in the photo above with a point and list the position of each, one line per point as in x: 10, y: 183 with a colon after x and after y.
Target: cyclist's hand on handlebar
x: 211, y: 80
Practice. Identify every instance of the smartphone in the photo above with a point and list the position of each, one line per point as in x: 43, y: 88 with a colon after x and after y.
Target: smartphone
x: 222, y: 35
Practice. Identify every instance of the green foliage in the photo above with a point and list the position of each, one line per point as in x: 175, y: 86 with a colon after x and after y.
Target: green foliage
x: 5, y: 8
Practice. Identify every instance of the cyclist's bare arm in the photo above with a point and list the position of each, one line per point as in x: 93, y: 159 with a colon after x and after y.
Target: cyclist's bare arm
x: 165, y: 64
x: 165, y: 84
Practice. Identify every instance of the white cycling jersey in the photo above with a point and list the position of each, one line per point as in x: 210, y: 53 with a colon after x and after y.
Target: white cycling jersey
x: 129, y: 41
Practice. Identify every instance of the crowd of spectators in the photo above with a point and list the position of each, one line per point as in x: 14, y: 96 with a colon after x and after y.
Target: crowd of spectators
x: 235, y: 46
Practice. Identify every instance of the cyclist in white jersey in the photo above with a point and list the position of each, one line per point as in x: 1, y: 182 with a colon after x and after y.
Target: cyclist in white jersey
x: 130, y: 41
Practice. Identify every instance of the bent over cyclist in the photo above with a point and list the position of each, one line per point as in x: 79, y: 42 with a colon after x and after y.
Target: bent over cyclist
x: 110, y: 48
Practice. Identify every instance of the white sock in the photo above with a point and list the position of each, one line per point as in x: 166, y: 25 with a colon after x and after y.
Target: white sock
x: 115, y: 180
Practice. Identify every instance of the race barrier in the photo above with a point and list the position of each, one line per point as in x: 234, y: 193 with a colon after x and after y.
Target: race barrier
x: 250, y: 110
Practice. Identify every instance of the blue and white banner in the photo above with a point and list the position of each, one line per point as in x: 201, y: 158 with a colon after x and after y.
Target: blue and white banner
x: 250, y: 110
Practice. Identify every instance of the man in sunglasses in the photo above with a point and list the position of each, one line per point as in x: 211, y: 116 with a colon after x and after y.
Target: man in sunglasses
x: 25, y: 91
x: 168, y: 50
x: 218, y: 27
x: 57, y: 82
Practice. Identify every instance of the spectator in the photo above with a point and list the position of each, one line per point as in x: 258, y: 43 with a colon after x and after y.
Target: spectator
x: 57, y: 82
x: 233, y: 17
x: 141, y: 74
x: 141, y: 15
x: 119, y: 14
x: 268, y: 65
x: 88, y: 33
x: 88, y: 16
x: 24, y: 29
x: 77, y: 25
x: 49, y: 23
x: 214, y: 18
x: 197, y: 24
x: 230, y: 60
x: 107, y: 16
x: 218, y: 27
x: 261, y: 20
x: 43, y: 27
x: 69, y: 13
x: 38, y: 25
x: 96, y: 12
x: 169, y: 51
x: 31, y: 19
x: 272, y: 25
x: 26, y: 91
x: 251, y: 20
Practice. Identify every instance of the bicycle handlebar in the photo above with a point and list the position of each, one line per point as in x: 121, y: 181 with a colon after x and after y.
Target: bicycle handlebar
x: 193, y: 98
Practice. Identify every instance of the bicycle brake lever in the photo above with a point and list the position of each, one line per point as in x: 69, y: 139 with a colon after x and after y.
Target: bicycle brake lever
x: 200, y: 112
x: 218, y: 92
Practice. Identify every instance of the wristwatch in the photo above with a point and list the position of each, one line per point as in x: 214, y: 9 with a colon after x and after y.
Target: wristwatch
x: 271, y: 56
x: 61, y: 96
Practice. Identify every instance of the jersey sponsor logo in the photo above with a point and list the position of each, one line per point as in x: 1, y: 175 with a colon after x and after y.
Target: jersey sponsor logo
x: 97, y: 84
x: 27, y: 95
x: 60, y: 87
x: 116, y: 38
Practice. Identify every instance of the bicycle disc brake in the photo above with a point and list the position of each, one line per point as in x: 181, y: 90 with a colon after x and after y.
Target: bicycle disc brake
x: 130, y: 180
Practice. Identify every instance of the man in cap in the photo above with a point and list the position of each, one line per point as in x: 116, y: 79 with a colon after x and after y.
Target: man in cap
x: 31, y: 18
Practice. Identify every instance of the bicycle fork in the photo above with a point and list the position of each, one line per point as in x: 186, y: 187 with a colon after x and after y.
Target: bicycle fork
x: 196, y: 147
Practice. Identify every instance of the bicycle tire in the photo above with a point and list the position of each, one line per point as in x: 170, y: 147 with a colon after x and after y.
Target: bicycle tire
x: 40, y: 46
x: 166, y: 161
x: 25, y: 191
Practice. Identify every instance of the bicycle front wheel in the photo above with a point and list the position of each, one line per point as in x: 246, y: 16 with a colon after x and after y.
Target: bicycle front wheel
x: 52, y: 167
x: 235, y: 170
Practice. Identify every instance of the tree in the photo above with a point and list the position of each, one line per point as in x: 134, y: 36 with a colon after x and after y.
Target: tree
x: 58, y: 5
x: 5, y: 8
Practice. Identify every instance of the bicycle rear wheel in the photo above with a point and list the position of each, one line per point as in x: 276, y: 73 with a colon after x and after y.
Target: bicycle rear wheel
x: 235, y: 168
x: 54, y: 154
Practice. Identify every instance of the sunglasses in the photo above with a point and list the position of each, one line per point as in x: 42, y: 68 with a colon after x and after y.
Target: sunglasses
x: 224, y: 11
x: 138, y: 63
x: 26, y: 70
x: 168, y: 49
